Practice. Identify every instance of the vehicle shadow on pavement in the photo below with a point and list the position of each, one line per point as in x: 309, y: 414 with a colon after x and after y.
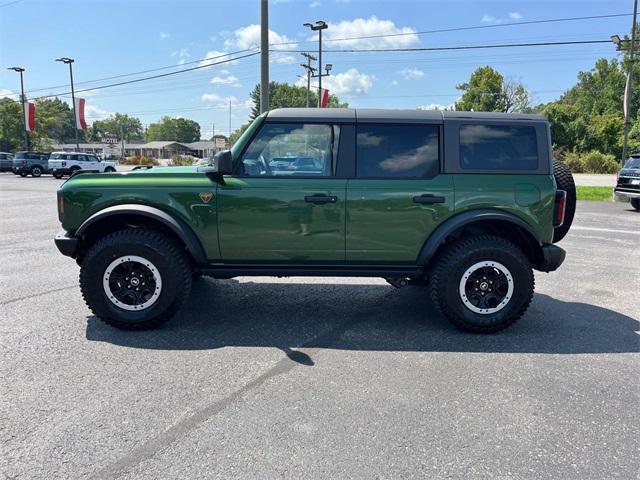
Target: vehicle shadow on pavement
x: 223, y: 313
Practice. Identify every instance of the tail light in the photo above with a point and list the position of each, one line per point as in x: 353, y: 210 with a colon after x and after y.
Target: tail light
x: 560, y: 208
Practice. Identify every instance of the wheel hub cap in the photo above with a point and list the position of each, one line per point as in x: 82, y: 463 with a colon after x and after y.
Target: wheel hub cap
x: 486, y: 287
x: 132, y: 283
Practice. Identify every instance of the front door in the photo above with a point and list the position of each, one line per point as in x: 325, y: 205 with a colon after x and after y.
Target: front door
x: 398, y: 196
x: 284, y: 204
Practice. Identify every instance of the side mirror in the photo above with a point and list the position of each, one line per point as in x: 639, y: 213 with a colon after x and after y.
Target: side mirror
x: 222, y: 165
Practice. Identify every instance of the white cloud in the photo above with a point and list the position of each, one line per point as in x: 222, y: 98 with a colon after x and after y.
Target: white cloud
x: 365, y: 27
x: 315, y: 4
x: 436, y: 106
x: 182, y: 53
x: 94, y: 113
x: 249, y: 37
x: 164, y: 36
x: 351, y: 82
x: 218, y: 100
x: 512, y: 16
x: 4, y: 92
x: 215, y: 56
x: 225, y: 79
x: 412, y: 73
x: 394, y: 82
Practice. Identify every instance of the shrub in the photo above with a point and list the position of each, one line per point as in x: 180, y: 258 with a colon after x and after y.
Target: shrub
x: 597, y: 162
x: 140, y: 160
x: 181, y: 161
x: 574, y: 161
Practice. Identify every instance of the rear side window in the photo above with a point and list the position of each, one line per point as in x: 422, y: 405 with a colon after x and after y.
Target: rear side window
x: 497, y: 147
x: 397, y: 151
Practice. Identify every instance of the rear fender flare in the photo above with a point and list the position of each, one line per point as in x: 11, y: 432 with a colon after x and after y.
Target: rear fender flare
x: 439, y: 235
x: 176, y: 225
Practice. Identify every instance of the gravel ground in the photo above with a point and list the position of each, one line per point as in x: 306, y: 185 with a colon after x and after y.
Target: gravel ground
x: 318, y: 377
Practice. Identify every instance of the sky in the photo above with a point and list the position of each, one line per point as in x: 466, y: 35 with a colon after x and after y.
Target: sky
x: 109, y: 38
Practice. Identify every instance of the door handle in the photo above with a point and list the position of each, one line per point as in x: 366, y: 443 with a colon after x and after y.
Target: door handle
x: 320, y: 199
x: 428, y: 199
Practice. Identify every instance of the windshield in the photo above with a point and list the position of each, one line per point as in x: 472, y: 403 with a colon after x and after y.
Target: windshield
x: 633, y: 162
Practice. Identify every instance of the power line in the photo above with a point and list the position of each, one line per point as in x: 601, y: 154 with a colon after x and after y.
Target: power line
x: 149, y: 78
x: 459, y: 47
x: 459, y: 29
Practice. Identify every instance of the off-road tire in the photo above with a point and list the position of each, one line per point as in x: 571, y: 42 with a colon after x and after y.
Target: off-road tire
x: 564, y: 181
x: 57, y: 175
x: 170, y: 260
x: 109, y: 170
x: 450, y: 267
x: 635, y: 203
x: 36, y: 171
x: 23, y: 174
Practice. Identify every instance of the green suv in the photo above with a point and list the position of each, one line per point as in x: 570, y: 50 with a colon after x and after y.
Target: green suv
x: 466, y: 204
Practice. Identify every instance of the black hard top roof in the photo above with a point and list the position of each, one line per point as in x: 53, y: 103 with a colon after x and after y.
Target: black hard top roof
x: 344, y: 115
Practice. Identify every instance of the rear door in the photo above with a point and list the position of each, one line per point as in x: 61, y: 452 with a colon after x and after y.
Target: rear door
x: 284, y: 204
x: 398, y: 196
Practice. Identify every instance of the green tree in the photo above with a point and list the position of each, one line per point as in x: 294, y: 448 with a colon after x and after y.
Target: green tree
x: 174, y: 130
x: 236, y: 134
x: 284, y: 95
x: 11, y: 126
x: 55, y: 122
x: 117, y: 123
x: 488, y: 91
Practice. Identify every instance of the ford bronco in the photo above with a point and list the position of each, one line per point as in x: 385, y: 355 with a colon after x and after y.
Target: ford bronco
x: 466, y: 204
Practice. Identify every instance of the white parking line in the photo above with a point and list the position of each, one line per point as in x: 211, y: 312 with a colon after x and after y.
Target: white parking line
x: 608, y: 230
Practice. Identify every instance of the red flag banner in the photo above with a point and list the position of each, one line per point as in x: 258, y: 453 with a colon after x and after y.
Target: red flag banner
x: 81, y: 123
x: 324, y: 97
x: 29, y: 116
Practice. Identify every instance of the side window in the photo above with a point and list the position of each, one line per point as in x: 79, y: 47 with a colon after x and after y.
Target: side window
x: 81, y: 158
x: 497, y: 147
x: 291, y: 149
x: 397, y: 151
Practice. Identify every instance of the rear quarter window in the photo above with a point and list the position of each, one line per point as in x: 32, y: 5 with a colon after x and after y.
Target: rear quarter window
x: 498, y: 147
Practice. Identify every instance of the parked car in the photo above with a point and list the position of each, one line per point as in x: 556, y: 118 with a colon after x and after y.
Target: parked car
x: 628, y: 184
x: 68, y: 163
x: 6, y: 162
x: 30, y: 163
x: 465, y: 202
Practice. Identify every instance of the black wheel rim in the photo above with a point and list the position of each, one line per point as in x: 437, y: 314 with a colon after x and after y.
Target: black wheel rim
x: 132, y: 283
x: 486, y: 287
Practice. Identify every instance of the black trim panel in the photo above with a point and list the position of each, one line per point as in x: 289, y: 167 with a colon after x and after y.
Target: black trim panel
x: 227, y: 271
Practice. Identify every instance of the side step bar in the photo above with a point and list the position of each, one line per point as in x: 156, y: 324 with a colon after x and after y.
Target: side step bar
x: 311, y: 271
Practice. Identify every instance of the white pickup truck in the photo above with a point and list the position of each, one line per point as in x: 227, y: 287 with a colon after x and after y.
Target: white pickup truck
x: 67, y: 163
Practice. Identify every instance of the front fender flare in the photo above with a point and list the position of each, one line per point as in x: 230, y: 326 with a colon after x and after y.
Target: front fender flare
x: 446, y: 228
x: 176, y: 225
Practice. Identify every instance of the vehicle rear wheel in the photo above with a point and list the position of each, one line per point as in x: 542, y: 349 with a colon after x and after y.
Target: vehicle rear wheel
x: 73, y: 170
x: 23, y: 174
x: 36, y: 171
x: 564, y: 181
x: 109, y: 170
x: 135, y: 279
x: 482, y: 284
x: 57, y: 175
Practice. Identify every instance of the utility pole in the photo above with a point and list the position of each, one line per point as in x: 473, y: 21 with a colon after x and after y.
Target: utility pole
x: 318, y: 27
x: 627, y: 97
x: 264, y: 55
x: 69, y: 61
x: 23, y: 100
x: 310, y: 71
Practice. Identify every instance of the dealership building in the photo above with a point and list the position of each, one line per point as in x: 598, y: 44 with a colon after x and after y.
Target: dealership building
x: 157, y: 149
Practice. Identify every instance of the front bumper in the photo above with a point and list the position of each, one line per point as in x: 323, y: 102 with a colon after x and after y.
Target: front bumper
x: 66, y: 243
x: 552, y: 258
x: 627, y: 192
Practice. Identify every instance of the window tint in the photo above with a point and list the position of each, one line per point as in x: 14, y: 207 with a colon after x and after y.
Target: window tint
x: 288, y: 149
x: 388, y: 151
x: 492, y: 147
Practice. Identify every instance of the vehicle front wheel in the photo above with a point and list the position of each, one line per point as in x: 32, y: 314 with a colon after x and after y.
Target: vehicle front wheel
x: 109, y: 170
x: 135, y: 279
x: 57, y: 175
x: 482, y: 284
x: 635, y: 203
x: 36, y: 172
x: 23, y: 174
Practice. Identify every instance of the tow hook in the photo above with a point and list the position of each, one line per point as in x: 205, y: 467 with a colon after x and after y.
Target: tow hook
x: 398, y: 282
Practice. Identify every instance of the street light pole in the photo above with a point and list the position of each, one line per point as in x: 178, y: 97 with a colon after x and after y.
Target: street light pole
x: 264, y: 55
x: 319, y: 26
x: 23, y: 99
x: 69, y: 61
x: 627, y: 97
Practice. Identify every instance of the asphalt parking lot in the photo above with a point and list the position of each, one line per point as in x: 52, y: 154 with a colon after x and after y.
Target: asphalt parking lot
x: 318, y: 378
